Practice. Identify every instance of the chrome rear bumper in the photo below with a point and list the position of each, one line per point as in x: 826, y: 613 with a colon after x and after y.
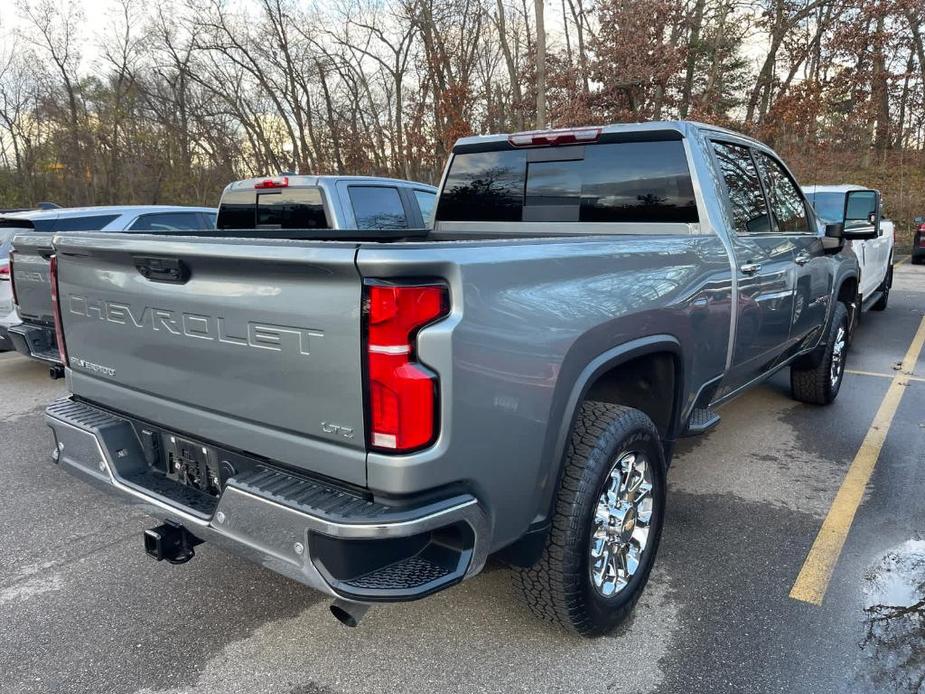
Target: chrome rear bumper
x: 315, y: 534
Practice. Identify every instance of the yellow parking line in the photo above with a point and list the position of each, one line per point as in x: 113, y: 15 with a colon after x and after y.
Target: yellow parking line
x: 814, y: 577
x: 904, y: 259
x: 855, y: 372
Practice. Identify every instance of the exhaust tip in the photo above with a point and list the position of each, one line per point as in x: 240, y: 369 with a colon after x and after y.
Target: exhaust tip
x: 348, y: 613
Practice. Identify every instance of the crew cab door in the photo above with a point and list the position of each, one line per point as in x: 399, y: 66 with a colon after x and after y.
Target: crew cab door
x: 764, y: 266
x: 793, y: 220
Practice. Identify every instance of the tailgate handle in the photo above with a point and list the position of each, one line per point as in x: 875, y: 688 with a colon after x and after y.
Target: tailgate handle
x: 171, y: 270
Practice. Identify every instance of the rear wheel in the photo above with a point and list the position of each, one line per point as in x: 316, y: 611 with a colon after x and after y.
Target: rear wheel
x: 606, y: 524
x: 819, y: 384
x: 917, y: 259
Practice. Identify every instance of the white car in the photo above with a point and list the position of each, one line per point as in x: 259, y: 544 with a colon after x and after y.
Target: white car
x: 874, y: 255
x: 138, y: 218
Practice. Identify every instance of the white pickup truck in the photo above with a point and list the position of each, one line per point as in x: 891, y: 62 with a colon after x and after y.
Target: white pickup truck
x: 874, y: 255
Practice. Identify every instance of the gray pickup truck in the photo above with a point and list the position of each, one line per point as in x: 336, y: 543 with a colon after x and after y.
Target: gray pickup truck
x: 375, y: 415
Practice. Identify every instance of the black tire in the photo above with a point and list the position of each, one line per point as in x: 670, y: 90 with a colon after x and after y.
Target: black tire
x: 559, y: 588
x: 819, y: 384
x: 884, y: 291
x: 917, y: 259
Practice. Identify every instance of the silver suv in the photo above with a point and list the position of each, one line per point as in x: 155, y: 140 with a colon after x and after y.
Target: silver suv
x: 33, y: 321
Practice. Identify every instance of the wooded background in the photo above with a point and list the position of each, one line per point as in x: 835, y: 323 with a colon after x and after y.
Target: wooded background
x: 172, y: 99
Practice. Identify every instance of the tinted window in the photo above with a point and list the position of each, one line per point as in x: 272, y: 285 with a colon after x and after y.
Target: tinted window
x: 426, y: 203
x: 238, y: 210
x: 377, y: 207
x: 291, y: 208
x: 637, y: 182
x: 84, y: 223
x: 168, y: 221
x: 208, y: 220
x: 829, y: 206
x: 746, y: 198
x: 288, y: 208
x: 484, y: 186
x: 786, y: 202
x: 611, y: 182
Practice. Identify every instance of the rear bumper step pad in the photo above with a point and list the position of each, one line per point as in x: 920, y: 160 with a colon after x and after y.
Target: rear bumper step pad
x: 35, y: 341
x: 331, y: 539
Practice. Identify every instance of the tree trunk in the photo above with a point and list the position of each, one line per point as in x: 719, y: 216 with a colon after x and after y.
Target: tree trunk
x: 540, y: 65
x: 692, y: 49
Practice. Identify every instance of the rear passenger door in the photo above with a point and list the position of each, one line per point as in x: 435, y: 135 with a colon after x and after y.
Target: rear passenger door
x: 765, y: 268
x: 794, y: 220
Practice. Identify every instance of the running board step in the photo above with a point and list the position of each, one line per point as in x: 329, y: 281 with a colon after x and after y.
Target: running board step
x: 702, y: 420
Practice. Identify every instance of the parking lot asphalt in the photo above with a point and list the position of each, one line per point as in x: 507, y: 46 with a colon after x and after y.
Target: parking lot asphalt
x: 82, y: 609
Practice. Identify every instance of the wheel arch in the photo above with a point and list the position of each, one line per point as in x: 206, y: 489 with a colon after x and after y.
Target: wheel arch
x: 654, y: 351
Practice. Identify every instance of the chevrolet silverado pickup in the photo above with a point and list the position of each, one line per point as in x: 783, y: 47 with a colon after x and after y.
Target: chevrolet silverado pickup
x: 374, y: 414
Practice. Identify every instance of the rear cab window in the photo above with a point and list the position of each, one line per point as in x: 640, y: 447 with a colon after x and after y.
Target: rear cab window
x: 377, y: 207
x: 274, y: 208
x: 646, y: 181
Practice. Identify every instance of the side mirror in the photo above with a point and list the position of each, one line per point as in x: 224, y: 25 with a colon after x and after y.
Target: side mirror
x: 835, y: 230
x: 862, y: 215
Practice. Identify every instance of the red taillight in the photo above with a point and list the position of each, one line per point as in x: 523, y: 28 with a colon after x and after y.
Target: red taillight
x: 56, y: 309
x: 12, y: 281
x: 278, y: 182
x: 547, y: 138
x: 402, y: 392
x: 5, y: 270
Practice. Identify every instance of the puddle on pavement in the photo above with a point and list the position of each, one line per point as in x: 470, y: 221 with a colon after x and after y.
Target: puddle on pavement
x: 894, y: 620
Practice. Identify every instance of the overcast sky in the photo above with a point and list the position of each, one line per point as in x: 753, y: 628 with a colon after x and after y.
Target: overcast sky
x: 100, y: 15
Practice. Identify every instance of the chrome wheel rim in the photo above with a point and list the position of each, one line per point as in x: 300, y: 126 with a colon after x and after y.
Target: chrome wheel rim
x: 838, y: 356
x: 622, y: 523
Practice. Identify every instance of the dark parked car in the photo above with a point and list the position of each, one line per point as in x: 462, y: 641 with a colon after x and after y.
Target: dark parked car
x: 918, y: 241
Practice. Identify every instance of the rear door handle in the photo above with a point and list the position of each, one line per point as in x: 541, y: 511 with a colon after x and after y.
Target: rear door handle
x: 802, y: 258
x: 749, y: 268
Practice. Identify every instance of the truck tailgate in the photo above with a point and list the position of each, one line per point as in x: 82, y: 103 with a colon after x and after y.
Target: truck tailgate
x: 33, y: 290
x: 251, y: 344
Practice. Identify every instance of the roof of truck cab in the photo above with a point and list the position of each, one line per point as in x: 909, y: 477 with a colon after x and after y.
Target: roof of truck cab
x: 67, y: 212
x: 298, y: 180
x: 683, y: 127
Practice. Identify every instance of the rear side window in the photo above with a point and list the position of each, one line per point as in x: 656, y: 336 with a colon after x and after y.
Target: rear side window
x: 784, y: 197
x: 286, y: 208
x: 644, y: 182
x: 168, y: 221
x: 426, y: 201
x: 94, y: 223
x: 749, y: 209
x: 830, y: 206
x: 377, y: 207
